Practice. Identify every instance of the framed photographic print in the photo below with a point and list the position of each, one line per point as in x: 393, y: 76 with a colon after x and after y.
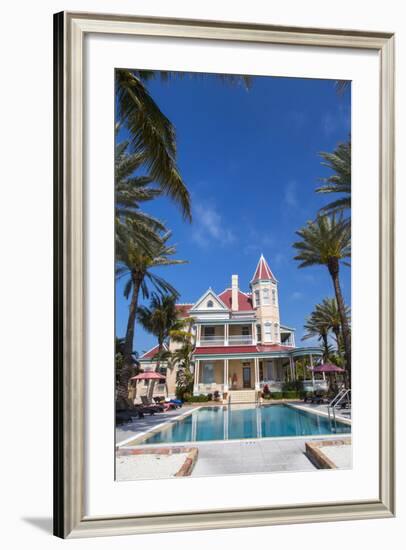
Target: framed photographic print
x: 224, y: 351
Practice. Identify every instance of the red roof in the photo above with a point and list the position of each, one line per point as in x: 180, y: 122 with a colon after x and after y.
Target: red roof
x: 263, y: 271
x: 244, y: 300
x: 260, y: 348
x: 184, y: 309
x: 151, y: 353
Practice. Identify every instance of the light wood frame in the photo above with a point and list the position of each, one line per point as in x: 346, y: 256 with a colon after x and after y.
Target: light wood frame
x: 70, y: 30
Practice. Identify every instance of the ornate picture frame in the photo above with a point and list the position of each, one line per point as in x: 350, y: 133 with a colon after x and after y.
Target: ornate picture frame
x: 70, y: 518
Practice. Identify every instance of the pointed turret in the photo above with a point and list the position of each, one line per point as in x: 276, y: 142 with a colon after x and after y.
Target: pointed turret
x: 263, y: 271
x: 264, y: 288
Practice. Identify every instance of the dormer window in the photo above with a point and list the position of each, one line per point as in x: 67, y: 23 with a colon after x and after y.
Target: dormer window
x: 210, y: 303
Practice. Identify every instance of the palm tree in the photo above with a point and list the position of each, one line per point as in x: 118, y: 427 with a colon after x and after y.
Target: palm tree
x: 327, y: 312
x: 340, y: 182
x: 159, y: 319
x: 327, y: 241
x: 317, y: 328
x: 130, y: 191
x: 138, y: 266
x: 152, y: 136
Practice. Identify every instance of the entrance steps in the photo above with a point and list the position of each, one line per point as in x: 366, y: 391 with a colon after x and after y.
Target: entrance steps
x: 242, y: 396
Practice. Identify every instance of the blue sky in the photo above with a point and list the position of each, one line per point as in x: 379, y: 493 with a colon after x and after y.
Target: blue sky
x: 250, y: 161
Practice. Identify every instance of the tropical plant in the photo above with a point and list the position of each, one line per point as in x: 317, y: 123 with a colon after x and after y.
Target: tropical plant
x: 317, y: 328
x: 151, y: 136
x: 159, y: 318
x: 124, y: 369
x: 138, y: 267
x: 327, y: 241
x: 182, y: 357
x: 327, y: 312
x: 130, y: 191
x: 342, y: 86
x: 339, y: 161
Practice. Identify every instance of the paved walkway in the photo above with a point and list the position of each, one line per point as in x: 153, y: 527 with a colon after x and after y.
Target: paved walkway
x: 241, y: 457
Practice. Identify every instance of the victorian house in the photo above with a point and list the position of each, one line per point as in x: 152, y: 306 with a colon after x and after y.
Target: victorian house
x: 241, y: 345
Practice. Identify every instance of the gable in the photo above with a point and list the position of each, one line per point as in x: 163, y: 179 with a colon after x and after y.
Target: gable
x: 209, y: 302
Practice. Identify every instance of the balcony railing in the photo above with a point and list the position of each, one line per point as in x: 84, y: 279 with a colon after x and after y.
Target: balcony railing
x: 315, y: 385
x: 212, y: 340
x: 240, y: 339
x: 288, y: 344
x: 208, y: 388
x: 221, y: 341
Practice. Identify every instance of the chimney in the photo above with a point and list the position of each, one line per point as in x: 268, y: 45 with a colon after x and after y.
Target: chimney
x: 234, y: 292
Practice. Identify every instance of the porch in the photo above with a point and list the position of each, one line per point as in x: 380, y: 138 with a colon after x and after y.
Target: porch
x: 237, y: 374
x: 253, y: 373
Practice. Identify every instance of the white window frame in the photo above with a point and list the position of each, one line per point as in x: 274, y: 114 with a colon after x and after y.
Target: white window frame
x: 259, y: 333
x: 274, y: 299
x: 276, y: 332
x: 265, y: 297
x: 257, y: 298
x: 268, y: 331
x: 205, y: 366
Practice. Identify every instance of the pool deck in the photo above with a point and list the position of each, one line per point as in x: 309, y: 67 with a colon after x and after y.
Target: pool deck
x: 277, y: 454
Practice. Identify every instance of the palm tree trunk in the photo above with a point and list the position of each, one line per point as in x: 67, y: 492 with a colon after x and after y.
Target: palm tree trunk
x: 337, y: 337
x: 324, y: 337
x: 129, y: 336
x: 333, y: 267
x: 127, y: 370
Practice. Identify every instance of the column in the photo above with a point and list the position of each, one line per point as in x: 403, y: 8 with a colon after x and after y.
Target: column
x: 196, y: 380
x: 226, y: 334
x: 311, y: 364
x: 254, y: 334
x: 292, y: 367
x: 198, y: 334
x: 225, y: 375
x: 256, y: 369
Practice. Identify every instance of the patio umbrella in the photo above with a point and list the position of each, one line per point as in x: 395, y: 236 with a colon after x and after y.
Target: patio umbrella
x: 149, y: 376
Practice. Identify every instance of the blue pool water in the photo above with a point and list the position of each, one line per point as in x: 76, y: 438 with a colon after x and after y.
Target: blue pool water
x: 221, y: 423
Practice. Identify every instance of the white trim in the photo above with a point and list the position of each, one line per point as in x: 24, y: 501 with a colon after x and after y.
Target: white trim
x: 210, y: 292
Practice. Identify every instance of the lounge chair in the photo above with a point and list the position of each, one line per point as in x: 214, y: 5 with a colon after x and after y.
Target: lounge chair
x: 148, y: 403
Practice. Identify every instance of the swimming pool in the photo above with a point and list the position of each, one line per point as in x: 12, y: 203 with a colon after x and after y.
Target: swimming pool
x: 245, y: 422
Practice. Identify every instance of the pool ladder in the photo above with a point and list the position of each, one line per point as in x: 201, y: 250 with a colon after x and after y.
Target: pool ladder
x: 345, y: 393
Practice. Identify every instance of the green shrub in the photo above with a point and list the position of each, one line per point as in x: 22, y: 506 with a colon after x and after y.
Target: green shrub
x: 266, y: 395
x: 290, y: 394
x: 197, y: 399
x: 276, y: 395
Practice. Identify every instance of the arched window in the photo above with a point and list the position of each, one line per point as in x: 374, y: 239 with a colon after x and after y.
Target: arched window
x: 210, y: 303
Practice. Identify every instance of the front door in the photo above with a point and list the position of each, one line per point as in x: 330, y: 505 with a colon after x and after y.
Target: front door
x: 246, y: 377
